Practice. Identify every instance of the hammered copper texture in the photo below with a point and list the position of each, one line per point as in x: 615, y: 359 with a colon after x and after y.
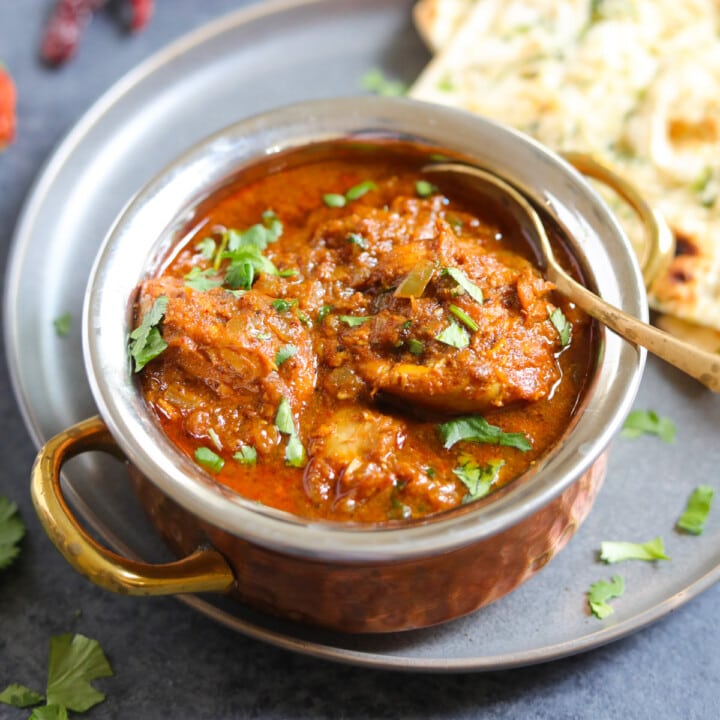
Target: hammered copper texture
x: 376, y: 597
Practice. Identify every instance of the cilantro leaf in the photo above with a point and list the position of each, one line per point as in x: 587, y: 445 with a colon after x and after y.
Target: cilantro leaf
x: 12, y: 530
x: 464, y: 318
x: 283, y: 418
x: 202, y: 280
x: 425, y: 189
x: 334, y: 200
x: 295, y: 452
x: 20, y: 696
x: 354, y: 320
x: 375, y: 81
x: 476, y: 429
x: 209, y: 459
x: 357, y: 239
x: 454, y: 336
x: 146, y: 342
x: 648, y: 422
x: 465, y: 283
x: 562, y: 325
x: 602, y: 591
x: 49, y: 712
x: 697, y: 509
x: 356, y: 192
x: 285, y: 353
x: 62, y: 324
x: 75, y: 660
x: 206, y: 248
x: 325, y: 310
x: 478, y: 479
x: 617, y: 551
x: 283, y: 305
x: 415, y: 346
x: 247, y: 455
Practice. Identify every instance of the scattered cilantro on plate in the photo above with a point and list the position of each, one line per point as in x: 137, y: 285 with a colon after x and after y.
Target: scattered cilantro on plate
x: 697, y: 509
x: 614, y: 552
x: 602, y: 591
x: 648, y: 422
x: 12, y: 529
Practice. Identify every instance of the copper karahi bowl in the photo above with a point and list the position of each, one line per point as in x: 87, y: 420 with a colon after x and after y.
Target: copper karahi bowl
x: 344, y: 577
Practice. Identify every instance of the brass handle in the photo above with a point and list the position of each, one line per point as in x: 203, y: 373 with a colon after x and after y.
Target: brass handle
x: 206, y: 570
x: 659, y: 246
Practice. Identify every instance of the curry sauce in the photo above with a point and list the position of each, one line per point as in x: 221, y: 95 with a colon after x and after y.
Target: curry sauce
x: 342, y: 339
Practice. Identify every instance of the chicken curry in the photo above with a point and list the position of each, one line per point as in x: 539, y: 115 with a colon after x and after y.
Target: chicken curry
x: 345, y: 338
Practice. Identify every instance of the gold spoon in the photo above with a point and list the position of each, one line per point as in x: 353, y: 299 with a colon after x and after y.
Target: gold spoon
x: 700, y: 364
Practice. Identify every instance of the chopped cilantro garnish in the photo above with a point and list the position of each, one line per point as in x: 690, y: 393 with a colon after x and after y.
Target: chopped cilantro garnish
x: 358, y: 240
x: 561, y: 324
x: 616, y: 551
x: 454, y: 335
x: 476, y: 429
x: 602, y: 591
x: 304, y: 318
x: 209, y: 460
x: 283, y: 419
x: 354, y: 320
x: 247, y: 455
x: 202, y: 280
x: 12, y: 530
x: 430, y: 471
x: 207, y: 248
x: 244, y: 251
x: 284, y: 353
x: 62, y: 324
x: 465, y: 283
x: 648, y: 422
x: 272, y: 224
x: 263, y: 335
x: 294, y: 451
x: 290, y: 272
x: 697, y: 510
x: 146, y: 342
x: 283, y: 305
x: 325, y: 310
x: 20, y: 696
x: 375, y: 81
x: 478, y: 479
x: 416, y: 347
x: 425, y: 189
x: 334, y: 200
x: 464, y: 318
x: 357, y: 191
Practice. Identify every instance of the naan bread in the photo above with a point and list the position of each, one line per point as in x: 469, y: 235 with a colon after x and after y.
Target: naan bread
x: 636, y: 83
x: 438, y: 20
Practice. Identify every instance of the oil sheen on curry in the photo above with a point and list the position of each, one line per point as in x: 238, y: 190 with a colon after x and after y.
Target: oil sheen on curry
x: 344, y: 338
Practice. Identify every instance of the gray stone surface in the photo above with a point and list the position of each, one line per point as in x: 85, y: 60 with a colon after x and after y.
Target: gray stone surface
x: 171, y: 662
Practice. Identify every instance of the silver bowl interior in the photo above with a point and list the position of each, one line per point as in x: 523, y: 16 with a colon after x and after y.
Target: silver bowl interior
x: 155, y: 216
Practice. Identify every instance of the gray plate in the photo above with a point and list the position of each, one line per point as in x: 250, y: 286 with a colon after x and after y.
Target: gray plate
x: 252, y: 60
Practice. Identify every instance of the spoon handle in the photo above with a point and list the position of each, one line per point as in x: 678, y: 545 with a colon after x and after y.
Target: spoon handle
x: 700, y: 364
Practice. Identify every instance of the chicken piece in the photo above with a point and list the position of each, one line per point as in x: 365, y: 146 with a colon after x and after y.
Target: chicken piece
x: 229, y: 344
x: 356, y: 457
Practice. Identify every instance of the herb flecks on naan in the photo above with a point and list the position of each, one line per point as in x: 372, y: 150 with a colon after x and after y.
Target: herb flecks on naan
x: 636, y: 83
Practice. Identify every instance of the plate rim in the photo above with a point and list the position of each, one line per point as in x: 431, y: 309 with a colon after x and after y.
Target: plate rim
x: 19, y: 246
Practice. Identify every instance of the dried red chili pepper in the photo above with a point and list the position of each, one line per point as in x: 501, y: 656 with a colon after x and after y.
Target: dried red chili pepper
x: 7, y: 107
x: 141, y: 12
x: 63, y: 31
